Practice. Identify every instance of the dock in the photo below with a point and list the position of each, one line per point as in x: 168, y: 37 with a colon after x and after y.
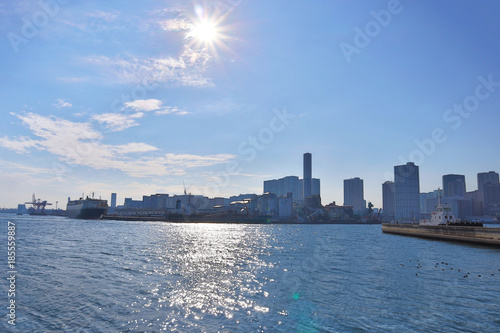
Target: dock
x: 467, y: 234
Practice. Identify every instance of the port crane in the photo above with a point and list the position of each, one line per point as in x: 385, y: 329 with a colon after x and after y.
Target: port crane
x: 38, y: 206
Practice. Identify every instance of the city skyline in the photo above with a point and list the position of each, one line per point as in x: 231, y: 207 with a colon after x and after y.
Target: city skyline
x: 136, y: 99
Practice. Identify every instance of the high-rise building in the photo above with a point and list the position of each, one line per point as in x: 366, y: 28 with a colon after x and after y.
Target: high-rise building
x: 388, y: 200
x: 492, y: 199
x: 291, y: 184
x: 307, y: 174
x: 429, y: 201
x: 353, y: 194
x: 315, y: 187
x: 407, y: 192
x: 112, y: 208
x: 454, y: 185
x: 477, y: 202
x: 485, y: 178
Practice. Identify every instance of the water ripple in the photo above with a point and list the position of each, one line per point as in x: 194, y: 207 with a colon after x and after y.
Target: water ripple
x: 101, y: 276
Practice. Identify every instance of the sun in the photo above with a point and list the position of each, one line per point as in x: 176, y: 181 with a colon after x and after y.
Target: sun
x: 208, y: 32
x: 205, y: 32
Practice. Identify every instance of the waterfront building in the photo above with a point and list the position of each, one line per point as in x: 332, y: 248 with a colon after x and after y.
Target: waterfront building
x: 388, y: 200
x: 21, y: 209
x: 291, y: 184
x: 460, y: 207
x: 429, y: 201
x: 112, y: 208
x: 267, y: 204
x: 155, y: 200
x: 283, y: 186
x: 284, y: 206
x: 477, y: 202
x: 454, y: 185
x: 129, y: 203
x: 485, y: 178
x: 407, y: 192
x: 315, y: 188
x: 353, y: 194
x: 338, y: 212
x: 492, y: 199
x: 307, y: 175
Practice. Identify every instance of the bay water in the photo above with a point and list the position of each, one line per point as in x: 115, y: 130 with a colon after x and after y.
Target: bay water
x: 116, y: 276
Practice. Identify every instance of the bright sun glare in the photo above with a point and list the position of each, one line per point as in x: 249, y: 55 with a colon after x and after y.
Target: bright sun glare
x: 204, y: 31
x: 207, y: 32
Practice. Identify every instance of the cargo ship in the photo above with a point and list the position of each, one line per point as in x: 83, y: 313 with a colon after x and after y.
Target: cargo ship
x: 88, y: 208
x: 444, y: 226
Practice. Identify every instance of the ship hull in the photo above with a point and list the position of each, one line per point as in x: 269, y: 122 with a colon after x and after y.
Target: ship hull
x: 86, y: 213
x: 86, y: 209
x: 467, y: 234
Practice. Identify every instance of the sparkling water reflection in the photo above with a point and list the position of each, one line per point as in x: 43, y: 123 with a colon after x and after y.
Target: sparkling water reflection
x: 101, y: 276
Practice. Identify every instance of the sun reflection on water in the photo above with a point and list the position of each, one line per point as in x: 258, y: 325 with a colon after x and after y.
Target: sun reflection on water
x: 207, y: 270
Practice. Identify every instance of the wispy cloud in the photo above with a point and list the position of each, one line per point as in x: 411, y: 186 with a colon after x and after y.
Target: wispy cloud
x: 115, y: 121
x: 144, y: 104
x: 80, y: 144
x: 186, y: 70
x: 61, y: 103
x: 19, y: 144
x: 156, y: 105
x: 103, y: 15
x: 171, y: 110
x: 175, y: 24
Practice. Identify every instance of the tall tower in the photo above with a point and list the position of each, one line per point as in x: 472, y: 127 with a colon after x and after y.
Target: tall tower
x: 113, y: 203
x: 485, y: 178
x: 407, y: 192
x: 388, y: 199
x: 307, y: 175
x: 454, y: 185
x: 353, y: 194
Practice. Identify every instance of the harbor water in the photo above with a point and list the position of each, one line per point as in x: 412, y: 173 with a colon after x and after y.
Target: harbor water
x: 116, y: 276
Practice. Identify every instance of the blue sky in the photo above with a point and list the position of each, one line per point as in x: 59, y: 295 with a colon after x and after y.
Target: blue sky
x: 139, y: 97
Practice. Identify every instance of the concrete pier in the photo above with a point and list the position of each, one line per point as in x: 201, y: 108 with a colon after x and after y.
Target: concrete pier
x: 468, y: 234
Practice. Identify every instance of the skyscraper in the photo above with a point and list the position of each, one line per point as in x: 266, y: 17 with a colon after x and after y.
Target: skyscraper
x: 407, y: 192
x: 454, y: 185
x: 485, y: 178
x: 113, y: 203
x: 388, y: 200
x: 353, y: 194
x: 492, y: 199
x: 307, y: 175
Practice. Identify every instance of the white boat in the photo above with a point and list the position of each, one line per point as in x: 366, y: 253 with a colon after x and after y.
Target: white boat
x: 443, y: 215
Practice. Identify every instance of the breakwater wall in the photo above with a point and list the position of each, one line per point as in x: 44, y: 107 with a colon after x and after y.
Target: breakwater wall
x: 469, y: 234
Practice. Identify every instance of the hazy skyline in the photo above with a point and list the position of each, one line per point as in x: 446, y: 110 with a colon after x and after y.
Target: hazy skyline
x: 138, y: 97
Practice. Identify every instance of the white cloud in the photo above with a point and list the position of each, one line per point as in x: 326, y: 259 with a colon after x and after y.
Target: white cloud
x: 80, y: 144
x: 105, y: 16
x: 60, y: 103
x: 19, y: 145
x: 186, y: 70
x: 171, y: 110
x: 175, y: 24
x: 116, y: 121
x: 144, y: 104
x: 153, y: 105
